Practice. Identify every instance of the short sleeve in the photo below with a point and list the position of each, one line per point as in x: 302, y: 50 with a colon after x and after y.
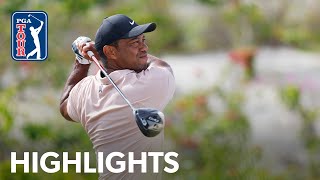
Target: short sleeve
x: 73, y: 107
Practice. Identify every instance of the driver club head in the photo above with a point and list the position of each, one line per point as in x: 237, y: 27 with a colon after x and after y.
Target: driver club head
x: 149, y: 121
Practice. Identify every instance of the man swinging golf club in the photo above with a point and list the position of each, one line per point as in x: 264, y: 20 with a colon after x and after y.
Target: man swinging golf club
x: 35, y: 35
x: 120, y: 106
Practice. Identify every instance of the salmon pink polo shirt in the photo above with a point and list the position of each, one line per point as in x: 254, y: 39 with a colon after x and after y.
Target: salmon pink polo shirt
x: 108, y: 119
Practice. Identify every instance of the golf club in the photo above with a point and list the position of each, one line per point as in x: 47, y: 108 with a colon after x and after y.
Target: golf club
x: 34, y: 17
x: 150, y: 121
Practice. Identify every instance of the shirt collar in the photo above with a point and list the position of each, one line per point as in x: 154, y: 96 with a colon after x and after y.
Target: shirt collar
x: 115, y: 75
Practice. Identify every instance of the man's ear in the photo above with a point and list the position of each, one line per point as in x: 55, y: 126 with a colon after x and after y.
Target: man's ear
x: 110, y: 52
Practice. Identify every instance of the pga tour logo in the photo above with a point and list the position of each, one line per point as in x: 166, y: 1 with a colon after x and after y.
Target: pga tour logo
x: 29, y: 35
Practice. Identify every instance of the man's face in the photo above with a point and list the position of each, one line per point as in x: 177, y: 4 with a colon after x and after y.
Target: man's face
x: 132, y: 53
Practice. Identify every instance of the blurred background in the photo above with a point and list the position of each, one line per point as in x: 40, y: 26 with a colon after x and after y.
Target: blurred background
x: 247, y: 72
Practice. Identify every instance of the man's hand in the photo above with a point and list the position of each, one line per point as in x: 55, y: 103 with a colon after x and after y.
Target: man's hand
x: 81, y: 46
x: 89, y: 46
x: 79, y: 42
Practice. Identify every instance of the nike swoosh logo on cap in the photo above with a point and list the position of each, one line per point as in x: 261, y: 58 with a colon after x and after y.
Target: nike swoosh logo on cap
x: 131, y: 22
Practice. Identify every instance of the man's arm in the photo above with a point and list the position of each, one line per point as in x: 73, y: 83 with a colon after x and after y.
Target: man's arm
x: 79, y: 72
x: 39, y: 28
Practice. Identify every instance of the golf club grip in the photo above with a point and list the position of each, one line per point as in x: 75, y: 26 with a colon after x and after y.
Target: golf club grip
x: 95, y: 60
x: 90, y: 54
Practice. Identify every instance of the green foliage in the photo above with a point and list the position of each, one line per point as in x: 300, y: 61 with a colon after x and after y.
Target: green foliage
x: 246, y: 23
x: 211, y: 2
x: 7, y: 117
x: 73, y: 138
x: 43, y: 138
x: 291, y: 96
x: 35, y: 132
x: 167, y: 36
x: 248, y: 17
x: 212, y: 146
x: 6, y: 114
x: 9, y: 7
x: 73, y: 8
x: 5, y: 167
x: 76, y: 7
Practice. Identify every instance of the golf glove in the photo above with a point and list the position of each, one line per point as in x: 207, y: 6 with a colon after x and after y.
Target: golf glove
x: 79, y: 56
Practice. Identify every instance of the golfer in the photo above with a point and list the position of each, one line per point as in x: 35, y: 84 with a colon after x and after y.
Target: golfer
x: 147, y: 82
x: 35, y: 35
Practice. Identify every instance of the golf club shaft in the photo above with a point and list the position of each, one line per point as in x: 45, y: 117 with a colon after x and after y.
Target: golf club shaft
x: 91, y: 55
x: 35, y: 18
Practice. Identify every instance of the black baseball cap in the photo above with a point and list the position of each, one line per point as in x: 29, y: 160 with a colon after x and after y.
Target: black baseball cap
x: 117, y: 27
